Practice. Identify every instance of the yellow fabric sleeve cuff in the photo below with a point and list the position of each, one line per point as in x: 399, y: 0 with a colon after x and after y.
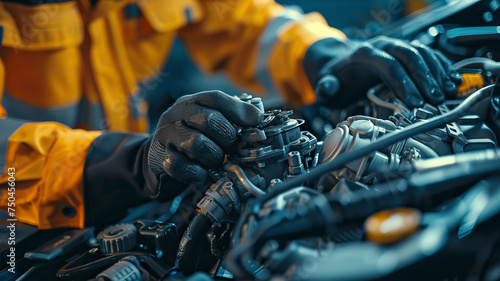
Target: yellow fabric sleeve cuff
x: 48, y: 159
x: 286, y: 60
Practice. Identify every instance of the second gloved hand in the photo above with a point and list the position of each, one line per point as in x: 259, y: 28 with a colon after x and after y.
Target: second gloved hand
x: 195, y: 133
x: 414, y: 72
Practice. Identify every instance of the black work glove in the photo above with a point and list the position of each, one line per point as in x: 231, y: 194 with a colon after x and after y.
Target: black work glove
x: 194, y: 134
x: 342, y: 72
x: 127, y: 169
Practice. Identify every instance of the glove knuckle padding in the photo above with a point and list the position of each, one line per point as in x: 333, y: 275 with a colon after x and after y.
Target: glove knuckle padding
x: 184, y: 100
x: 388, y: 69
x: 427, y: 54
x: 414, y: 62
x: 181, y: 167
x: 442, y: 75
x: 416, y: 65
x: 376, y: 59
x: 199, y: 147
x: 209, y: 96
x: 177, y: 164
x: 212, y: 123
x: 408, y: 53
x: 211, y: 154
x: 236, y: 111
x: 188, y: 143
x: 173, y: 114
x: 423, y: 49
x: 388, y: 65
x: 423, y: 69
x: 196, y: 116
x: 380, y: 39
x: 395, y: 76
x: 218, y: 124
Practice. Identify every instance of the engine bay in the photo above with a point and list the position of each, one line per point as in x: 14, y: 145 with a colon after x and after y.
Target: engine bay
x: 372, y: 191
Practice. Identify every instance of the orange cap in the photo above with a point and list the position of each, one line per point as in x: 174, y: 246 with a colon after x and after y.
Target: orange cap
x: 471, y: 83
x: 391, y: 226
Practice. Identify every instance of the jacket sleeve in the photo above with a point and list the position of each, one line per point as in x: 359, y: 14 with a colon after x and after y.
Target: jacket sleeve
x: 51, y: 175
x: 66, y: 177
x: 260, y: 44
x: 43, y: 161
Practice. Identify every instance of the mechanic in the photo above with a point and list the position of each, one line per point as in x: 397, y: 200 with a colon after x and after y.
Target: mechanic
x: 71, y: 117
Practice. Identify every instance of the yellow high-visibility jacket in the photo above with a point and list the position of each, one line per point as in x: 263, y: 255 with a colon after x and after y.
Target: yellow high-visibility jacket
x: 69, y: 70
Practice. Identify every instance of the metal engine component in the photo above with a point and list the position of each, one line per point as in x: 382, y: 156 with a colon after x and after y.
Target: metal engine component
x: 420, y: 159
x: 219, y: 201
x: 359, y: 131
x: 117, y: 238
x: 275, y: 149
x: 158, y: 238
x: 127, y: 269
x: 265, y: 148
x: 467, y: 134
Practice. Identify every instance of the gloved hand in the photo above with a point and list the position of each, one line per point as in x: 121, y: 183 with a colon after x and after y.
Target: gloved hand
x: 194, y: 134
x: 343, y: 71
x: 126, y: 169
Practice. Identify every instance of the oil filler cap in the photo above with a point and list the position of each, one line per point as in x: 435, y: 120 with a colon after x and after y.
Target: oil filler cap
x: 363, y: 127
x: 117, y: 238
x: 391, y: 226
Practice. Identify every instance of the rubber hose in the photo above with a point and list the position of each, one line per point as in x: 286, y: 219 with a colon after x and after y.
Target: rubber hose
x: 194, y: 249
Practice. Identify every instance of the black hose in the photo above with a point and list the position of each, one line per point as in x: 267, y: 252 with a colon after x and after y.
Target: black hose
x: 245, y: 182
x: 194, y: 252
x: 384, y: 141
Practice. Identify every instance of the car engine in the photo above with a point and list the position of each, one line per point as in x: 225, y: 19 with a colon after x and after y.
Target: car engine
x: 374, y: 191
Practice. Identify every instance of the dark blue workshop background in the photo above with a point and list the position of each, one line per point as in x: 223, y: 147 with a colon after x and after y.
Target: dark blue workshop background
x: 360, y: 19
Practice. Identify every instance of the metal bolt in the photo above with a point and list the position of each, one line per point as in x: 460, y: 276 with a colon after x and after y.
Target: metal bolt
x: 275, y: 183
x: 294, y: 159
x: 258, y: 103
x: 245, y: 97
